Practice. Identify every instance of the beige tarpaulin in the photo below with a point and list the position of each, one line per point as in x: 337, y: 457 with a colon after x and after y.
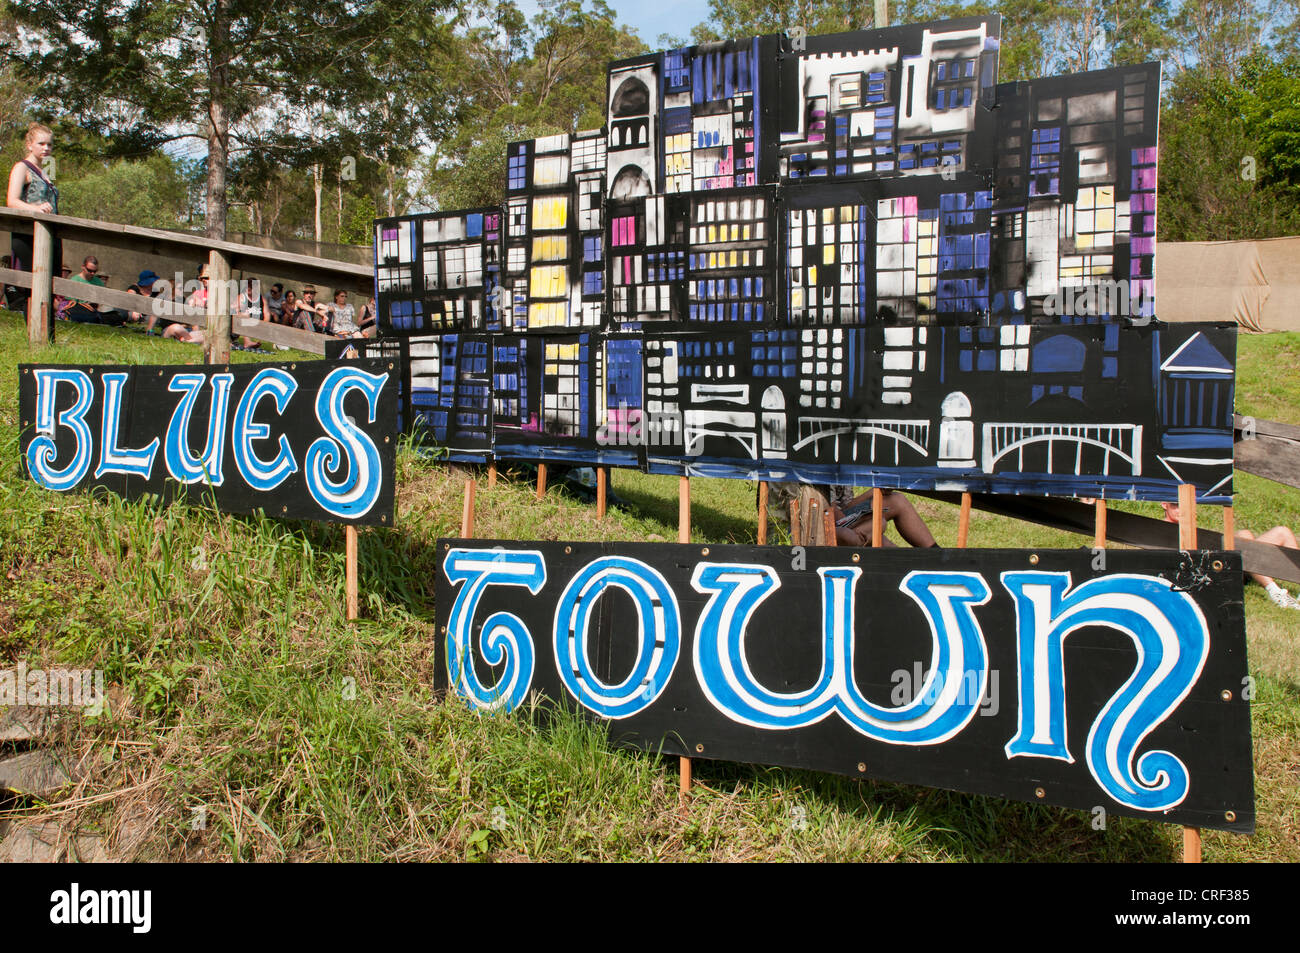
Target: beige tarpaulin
x: 1257, y: 284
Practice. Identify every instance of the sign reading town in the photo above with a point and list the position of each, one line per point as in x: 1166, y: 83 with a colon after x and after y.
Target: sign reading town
x: 312, y: 440
x: 1051, y: 677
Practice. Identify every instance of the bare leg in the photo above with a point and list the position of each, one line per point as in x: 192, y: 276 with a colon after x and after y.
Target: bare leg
x: 910, y: 526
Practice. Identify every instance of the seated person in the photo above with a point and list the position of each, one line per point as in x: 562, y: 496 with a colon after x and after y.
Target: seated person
x: 311, y: 316
x: 342, y: 317
x: 84, y: 312
x: 853, y: 518
x: 1278, y: 536
x: 135, y: 317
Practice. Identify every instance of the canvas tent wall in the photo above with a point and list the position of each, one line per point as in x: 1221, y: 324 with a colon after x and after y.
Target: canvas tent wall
x: 1255, y: 283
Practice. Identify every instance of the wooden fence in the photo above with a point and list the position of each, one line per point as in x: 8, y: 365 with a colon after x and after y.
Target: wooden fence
x: 223, y: 258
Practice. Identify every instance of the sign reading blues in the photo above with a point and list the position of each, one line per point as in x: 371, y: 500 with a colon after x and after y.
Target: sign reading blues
x: 313, y: 440
x: 1040, y: 678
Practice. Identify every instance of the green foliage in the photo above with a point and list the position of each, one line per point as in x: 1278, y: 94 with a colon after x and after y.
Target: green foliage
x: 516, y: 79
x: 1225, y: 172
x: 152, y: 193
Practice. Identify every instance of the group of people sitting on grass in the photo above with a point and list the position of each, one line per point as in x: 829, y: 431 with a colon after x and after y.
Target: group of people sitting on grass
x: 290, y: 308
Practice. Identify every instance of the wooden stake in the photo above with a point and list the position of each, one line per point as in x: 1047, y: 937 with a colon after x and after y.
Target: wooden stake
x: 350, y: 568
x: 1099, y: 535
x: 1229, y: 529
x: 1191, y: 845
x: 1187, y: 542
x: 963, y: 521
x: 684, y: 510
x: 541, y: 480
x: 815, y: 525
x: 492, y: 474
x: 1186, y: 516
x: 467, y: 511
x: 877, y: 518
x: 600, y: 492
x: 762, y: 512
x: 684, y: 536
x: 828, y: 523
x: 794, y: 523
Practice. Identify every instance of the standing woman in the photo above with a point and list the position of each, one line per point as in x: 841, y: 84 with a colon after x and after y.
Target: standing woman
x: 29, y: 189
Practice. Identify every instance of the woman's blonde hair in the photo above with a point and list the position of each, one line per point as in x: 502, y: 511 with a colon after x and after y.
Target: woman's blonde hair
x: 34, y: 130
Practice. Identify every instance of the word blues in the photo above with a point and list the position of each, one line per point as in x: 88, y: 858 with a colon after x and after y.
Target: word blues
x: 311, y: 440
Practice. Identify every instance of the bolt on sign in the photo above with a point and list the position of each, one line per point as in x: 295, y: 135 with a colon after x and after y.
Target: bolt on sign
x: 1029, y: 676
x: 314, y: 440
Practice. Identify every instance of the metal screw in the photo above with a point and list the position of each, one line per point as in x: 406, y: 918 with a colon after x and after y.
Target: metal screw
x: 1039, y: 792
x: 1033, y: 561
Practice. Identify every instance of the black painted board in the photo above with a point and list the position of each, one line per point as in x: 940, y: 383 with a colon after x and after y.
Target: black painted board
x: 659, y: 635
x: 311, y: 440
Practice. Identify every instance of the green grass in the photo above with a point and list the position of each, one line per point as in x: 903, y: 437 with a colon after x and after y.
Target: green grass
x: 242, y: 698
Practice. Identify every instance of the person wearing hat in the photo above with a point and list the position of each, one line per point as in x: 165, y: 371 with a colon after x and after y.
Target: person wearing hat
x: 311, y: 316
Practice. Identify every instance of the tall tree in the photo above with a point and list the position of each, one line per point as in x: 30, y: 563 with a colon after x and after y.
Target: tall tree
x: 229, y: 73
x: 519, y: 78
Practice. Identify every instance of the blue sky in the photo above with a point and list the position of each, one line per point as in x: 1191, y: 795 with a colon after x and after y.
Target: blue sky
x: 652, y: 18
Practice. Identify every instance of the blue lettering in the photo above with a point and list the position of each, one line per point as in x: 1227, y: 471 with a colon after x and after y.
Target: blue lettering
x: 658, y: 635
x: 259, y: 474
x: 356, y: 493
x: 112, y: 458
x: 941, y: 708
x: 41, y: 452
x: 1172, y: 642
x: 182, y: 464
x: 503, y: 636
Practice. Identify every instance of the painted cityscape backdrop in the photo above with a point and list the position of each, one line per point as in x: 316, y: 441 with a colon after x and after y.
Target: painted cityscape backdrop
x: 852, y: 259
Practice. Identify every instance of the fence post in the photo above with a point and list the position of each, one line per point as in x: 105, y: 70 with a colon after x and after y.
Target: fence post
x: 216, y: 339
x: 39, y: 306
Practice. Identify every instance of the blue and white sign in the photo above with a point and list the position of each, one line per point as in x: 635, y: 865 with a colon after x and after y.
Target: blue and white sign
x: 310, y: 440
x: 978, y: 670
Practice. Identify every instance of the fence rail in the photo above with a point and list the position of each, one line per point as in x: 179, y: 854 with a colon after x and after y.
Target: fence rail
x: 223, y: 257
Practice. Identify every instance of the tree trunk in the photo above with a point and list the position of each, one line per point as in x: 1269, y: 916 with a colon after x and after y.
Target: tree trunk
x: 317, y: 185
x: 218, y: 122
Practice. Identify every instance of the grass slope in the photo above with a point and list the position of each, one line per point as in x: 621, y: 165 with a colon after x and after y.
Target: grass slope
x: 251, y: 721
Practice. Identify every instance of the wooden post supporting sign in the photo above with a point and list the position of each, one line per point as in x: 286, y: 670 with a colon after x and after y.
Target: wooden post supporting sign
x: 1187, y: 542
x: 684, y: 536
x: 350, y: 568
x: 541, y: 480
x: 762, y: 512
x: 467, y: 510
x: 963, y: 521
x: 877, y: 518
x: 602, y: 475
